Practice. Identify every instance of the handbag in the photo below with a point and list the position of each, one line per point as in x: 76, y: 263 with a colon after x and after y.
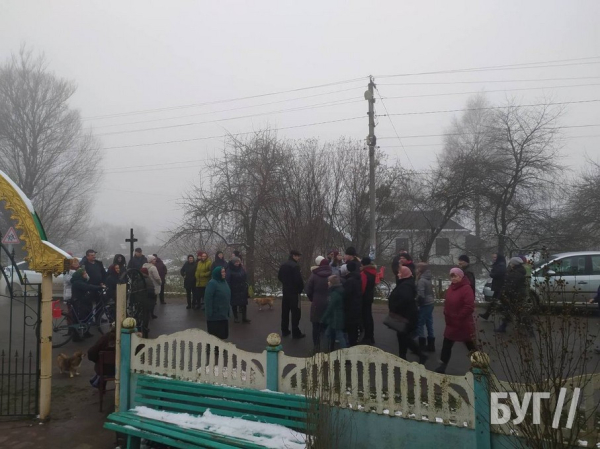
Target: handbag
x: 396, y: 322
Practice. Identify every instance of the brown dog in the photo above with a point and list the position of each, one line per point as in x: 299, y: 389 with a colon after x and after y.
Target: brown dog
x: 70, y: 364
x: 265, y: 300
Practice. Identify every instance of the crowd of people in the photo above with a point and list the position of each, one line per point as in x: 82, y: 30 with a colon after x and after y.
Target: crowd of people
x: 341, y: 289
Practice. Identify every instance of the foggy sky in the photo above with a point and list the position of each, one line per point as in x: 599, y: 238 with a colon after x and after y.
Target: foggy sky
x: 131, y: 56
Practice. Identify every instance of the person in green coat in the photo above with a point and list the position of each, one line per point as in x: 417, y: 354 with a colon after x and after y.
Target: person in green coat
x: 334, y: 314
x: 217, y: 300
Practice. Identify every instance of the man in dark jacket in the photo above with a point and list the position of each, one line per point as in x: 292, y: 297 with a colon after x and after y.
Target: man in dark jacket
x: 368, y: 274
x: 291, y: 279
x: 514, y: 295
x: 84, y: 294
x: 464, y: 263
x: 138, y: 260
x: 94, y: 268
x: 162, y: 272
x: 497, y: 273
x: 352, y: 284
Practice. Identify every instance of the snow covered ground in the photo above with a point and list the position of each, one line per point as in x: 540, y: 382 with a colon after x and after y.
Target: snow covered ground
x: 267, y: 435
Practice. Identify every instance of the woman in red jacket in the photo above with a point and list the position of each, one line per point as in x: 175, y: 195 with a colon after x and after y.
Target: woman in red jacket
x: 459, y: 306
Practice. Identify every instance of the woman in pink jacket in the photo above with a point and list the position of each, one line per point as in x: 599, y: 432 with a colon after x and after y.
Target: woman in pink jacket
x: 459, y: 306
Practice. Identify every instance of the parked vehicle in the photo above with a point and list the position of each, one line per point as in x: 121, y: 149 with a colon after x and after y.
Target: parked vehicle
x: 573, y: 277
x: 33, y: 277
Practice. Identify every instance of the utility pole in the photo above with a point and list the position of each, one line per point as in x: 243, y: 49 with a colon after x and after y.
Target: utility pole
x: 371, y: 141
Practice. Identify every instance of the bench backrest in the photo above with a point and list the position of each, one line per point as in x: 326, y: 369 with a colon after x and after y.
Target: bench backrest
x: 195, y: 398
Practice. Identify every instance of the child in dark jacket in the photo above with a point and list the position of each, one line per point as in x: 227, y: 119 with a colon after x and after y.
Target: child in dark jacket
x: 333, y: 317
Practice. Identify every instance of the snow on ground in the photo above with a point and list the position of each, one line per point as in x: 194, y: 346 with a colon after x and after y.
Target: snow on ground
x: 268, y: 435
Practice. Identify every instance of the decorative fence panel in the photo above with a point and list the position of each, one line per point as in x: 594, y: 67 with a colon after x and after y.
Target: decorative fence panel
x: 197, y: 356
x: 368, y: 379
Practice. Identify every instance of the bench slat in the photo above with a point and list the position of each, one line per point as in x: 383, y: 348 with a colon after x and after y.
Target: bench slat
x: 185, y: 408
x: 223, y: 403
x: 163, y: 439
x: 212, y: 439
x: 264, y: 397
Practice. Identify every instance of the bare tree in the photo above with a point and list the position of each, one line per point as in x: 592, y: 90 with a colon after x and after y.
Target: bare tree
x: 455, y: 184
x: 228, y: 205
x: 526, y: 153
x: 43, y: 146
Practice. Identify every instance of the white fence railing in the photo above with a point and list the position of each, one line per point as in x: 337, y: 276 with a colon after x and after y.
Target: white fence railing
x: 368, y: 379
x: 196, y: 356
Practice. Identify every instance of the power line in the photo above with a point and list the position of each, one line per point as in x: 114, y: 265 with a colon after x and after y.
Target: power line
x: 170, y: 108
x: 228, y: 110
x: 530, y: 65
x: 491, y: 91
x: 492, y: 107
x: 300, y: 108
x: 229, y: 135
x: 394, y: 128
x: 157, y: 165
x: 416, y: 136
x: 441, y: 144
x: 537, y: 80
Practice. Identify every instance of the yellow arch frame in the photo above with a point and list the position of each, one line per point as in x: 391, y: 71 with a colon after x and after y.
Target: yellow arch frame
x: 42, y: 255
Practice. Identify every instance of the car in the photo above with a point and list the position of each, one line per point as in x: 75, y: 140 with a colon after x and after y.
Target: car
x: 33, y: 278
x: 572, y: 277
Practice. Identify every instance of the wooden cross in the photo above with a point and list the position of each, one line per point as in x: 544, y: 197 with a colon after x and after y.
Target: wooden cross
x: 131, y: 241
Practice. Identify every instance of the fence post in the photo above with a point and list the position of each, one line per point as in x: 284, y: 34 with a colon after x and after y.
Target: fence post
x: 483, y: 437
x: 125, y: 368
x: 274, y: 342
x: 120, y: 314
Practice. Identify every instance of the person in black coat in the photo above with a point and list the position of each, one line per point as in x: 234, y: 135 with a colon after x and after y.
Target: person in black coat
x: 219, y: 261
x: 514, y: 294
x: 403, y: 259
x: 497, y: 273
x: 113, y: 278
x: 403, y: 302
x: 352, y: 284
x: 238, y: 284
x: 119, y: 260
x: 291, y: 279
x: 188, y: 271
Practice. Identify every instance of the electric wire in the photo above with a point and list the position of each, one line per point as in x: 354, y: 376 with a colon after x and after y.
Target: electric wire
x: 230, y: 100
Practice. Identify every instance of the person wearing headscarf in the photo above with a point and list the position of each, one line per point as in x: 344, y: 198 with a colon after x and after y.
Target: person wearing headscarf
x: 333, y: 317
x: 459, y: 306
x: 402, y: 301
x: 497, y: 273
x: 317, y: 291
x: 219, y: 261
x: 238, y: 284
x: 188, y: 271
x: 217, y: 301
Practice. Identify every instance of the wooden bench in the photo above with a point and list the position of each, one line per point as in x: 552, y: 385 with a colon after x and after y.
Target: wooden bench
x: 177, y: 396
